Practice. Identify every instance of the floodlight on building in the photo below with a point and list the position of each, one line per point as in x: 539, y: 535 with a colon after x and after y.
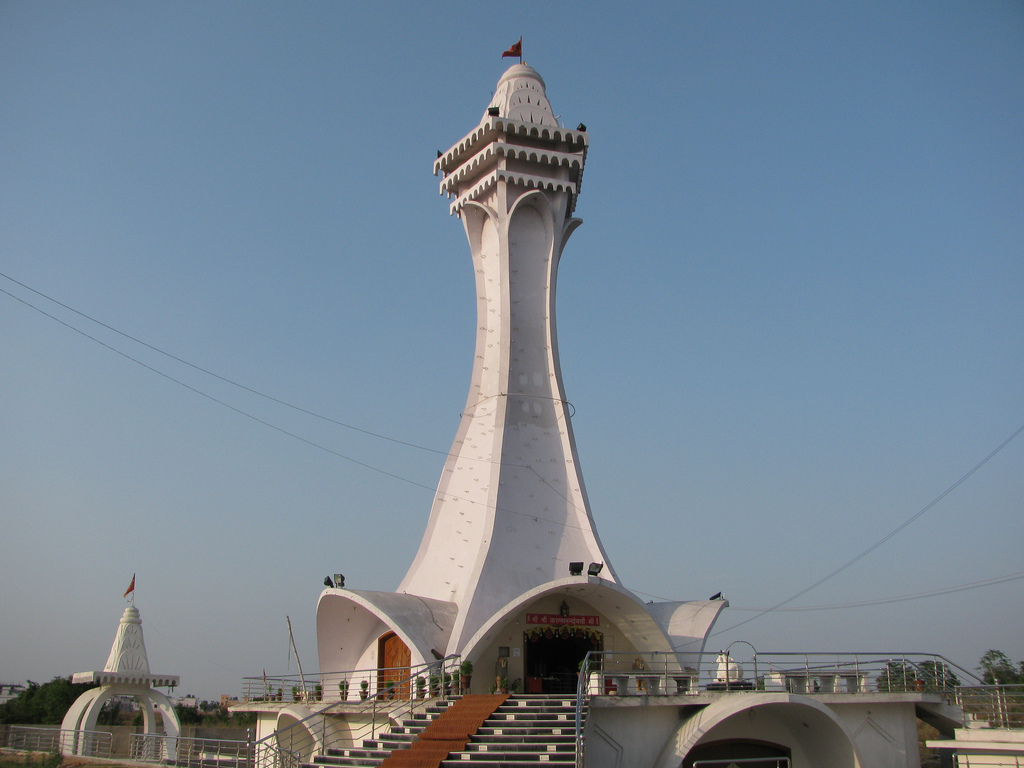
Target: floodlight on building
x: 716, y: 596
x: 576, y: 569
x: 339, y: 580
x: 492, y: 111
x: 563, y: 609
x: 328, y: 582
x: 594, y: 569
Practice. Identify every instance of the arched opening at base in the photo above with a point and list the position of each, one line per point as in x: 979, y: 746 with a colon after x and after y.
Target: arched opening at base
x: 755, y: 754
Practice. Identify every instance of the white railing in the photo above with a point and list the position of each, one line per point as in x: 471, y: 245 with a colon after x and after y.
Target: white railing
x: 67, y: 742
x: 992, y: 706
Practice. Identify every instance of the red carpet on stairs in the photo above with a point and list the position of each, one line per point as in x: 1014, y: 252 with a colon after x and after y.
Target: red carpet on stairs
x: 448, y: 733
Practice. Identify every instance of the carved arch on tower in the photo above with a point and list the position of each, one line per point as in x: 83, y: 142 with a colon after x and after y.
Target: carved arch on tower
x: 535, y: 198
x: 478, y: 213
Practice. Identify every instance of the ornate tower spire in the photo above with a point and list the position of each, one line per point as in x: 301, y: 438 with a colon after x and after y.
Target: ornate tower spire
x: 128, y: 653
x: 511, y: 510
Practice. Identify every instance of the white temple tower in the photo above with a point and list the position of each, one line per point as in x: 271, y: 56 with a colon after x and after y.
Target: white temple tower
x: 511, y: 511
x: 126, y: 673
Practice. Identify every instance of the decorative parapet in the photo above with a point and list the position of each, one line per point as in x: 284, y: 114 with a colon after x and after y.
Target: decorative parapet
x: 524, y: 179
x: 480, y: 159
x: 501, y: 149
x: 490, y: 127
x: 126, y: 678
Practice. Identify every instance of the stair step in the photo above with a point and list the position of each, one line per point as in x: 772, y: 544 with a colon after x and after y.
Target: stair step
x: 523, y: 732
x: 512, y: 746
x: 519, y: 760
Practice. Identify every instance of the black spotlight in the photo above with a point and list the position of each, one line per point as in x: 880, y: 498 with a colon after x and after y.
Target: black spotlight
x: 328, y: 582
x: 594, y: 569
x: 492, y: 111
x: 576, y: 569
x: 339, y: 580
x: 716, y: 596
x: 581, y: 127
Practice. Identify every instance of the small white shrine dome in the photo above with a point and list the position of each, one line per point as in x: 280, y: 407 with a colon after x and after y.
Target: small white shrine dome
x: 521, y: 95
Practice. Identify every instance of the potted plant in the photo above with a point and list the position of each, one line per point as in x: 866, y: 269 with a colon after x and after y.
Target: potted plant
x: 363, y: 686
x: 435, y: 686
x: 446, y: 683
x: 504, y: 685
x: 295, y: 693
x: 421, y: 687
x: 343, y: 690
x: 389, y: 689
x: 456, y: 686
x: 318, y: 692
x: 466, y: 668
x: 517, y: 685
x: 280, y: 694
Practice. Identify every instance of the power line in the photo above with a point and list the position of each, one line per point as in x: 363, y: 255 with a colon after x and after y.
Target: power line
x: 881, y: 541
x: 203, y: 370
x: 900, y: 598
x: 258, y: 420
x: 777, y: 606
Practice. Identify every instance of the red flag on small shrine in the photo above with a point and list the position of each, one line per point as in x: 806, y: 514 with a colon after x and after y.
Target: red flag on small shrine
x: 515, y: 50
x: 131, y: 587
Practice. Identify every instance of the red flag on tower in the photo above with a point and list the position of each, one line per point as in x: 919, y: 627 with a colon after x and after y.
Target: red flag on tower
x: 515, y: 50
x: 131, y: 587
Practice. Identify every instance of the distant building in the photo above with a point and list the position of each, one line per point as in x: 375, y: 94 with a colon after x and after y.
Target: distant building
x: 10, y: 691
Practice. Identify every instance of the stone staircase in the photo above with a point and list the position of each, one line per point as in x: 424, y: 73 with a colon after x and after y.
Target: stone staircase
x: 524, y: 731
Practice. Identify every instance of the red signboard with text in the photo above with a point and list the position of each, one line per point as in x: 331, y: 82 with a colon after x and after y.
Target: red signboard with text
x: 554, y: 620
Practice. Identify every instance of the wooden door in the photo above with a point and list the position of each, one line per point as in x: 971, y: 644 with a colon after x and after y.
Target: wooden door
x: 393, y: 662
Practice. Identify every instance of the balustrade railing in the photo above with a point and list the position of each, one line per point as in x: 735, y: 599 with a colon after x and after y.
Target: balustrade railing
x: 661, y: 673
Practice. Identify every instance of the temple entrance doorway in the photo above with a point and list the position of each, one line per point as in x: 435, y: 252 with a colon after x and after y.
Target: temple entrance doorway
x: 393, y: 663
x: 553, y: 656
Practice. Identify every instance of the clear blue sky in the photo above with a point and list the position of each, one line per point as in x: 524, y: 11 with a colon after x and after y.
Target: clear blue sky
x: 794, y: 314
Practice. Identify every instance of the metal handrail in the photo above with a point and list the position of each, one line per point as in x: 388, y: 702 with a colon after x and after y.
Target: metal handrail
x: 582, y: 690
x: 187, y: 751
x: 997, y: 706
x: 274, y: 687
x: 34, y: 739
x: 266, y: 753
